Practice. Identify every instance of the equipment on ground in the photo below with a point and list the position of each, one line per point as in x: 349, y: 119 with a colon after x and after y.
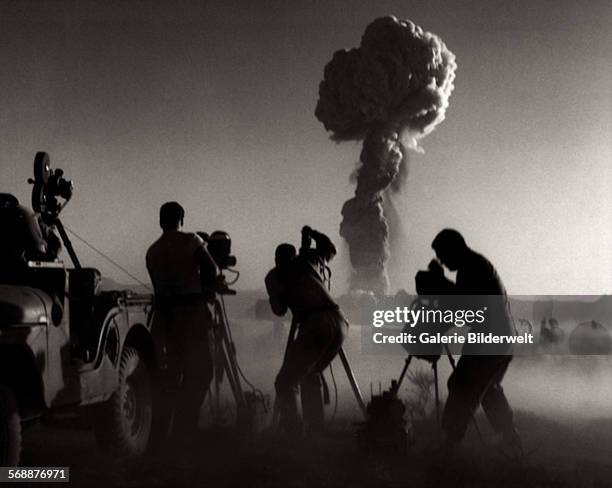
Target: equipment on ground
x: 385, y: 428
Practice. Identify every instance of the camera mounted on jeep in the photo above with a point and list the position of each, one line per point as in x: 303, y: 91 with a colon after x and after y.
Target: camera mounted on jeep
x: 51, y: 191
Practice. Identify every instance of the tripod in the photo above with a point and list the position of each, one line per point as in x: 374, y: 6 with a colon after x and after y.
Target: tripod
x: 353, y: 382
x: 433, y: 359
x: 225, y: 361
x: 345, y: 363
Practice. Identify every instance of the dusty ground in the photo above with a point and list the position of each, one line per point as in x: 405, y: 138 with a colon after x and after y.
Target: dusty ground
x: 563, y: 413
x: 557, y: 456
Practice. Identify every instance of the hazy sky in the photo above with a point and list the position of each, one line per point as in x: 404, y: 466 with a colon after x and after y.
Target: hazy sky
x: 212, y: 104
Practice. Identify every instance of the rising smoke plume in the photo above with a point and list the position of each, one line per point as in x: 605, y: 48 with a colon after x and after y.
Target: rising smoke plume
x: 389, y: 92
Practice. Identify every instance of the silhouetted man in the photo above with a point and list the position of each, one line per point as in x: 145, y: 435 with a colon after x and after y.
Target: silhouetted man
x: 178, y: 263
x: 297, y: 283
x: 22, y: 240
x: 479, y: 372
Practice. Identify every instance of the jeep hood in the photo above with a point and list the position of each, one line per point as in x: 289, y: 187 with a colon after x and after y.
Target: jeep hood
x: 23, y: 305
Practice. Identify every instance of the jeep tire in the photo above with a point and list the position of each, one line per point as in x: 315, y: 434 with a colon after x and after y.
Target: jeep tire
x: 10, y: 428
x: 124, y: 421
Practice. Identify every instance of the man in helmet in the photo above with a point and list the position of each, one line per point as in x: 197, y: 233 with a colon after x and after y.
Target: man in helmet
x: 22, y: 240
x: 297, y: 283
x: 479, y: 372
x: 178, y: 264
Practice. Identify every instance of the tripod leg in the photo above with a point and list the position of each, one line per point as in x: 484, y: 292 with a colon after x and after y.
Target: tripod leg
x: 231, y: 377
x: 275, y: 414
x: 450, y: 357
x: 67, y: 243
x: 352, y: 381
x: 228, y: 355
x: 434, y: 366
x: 217, y: 406
x: 290, y: 339
x: 402, y: 374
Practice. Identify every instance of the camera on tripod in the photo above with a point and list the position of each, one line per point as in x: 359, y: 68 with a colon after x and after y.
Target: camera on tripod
x: 432, y: 281
x: 219, y: 245
x: 220, y: 248
x: 49, y: 187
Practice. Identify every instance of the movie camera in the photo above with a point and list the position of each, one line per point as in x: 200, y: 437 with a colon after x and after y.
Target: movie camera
x: 51, y: 191
x: 432, y: 281
x: 249, y: 404
x: 219, y: 245
x: 220, y: 248
x: 50, y: 195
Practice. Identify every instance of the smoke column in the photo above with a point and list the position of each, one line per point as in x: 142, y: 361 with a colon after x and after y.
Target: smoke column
x: 389, y: 92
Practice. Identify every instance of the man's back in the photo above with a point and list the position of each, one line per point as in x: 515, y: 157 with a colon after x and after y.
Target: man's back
x: 21, y: 232
x: 478, y: 278
x: 172, y: 262
x: 307, y: 289
x: 21, y: 241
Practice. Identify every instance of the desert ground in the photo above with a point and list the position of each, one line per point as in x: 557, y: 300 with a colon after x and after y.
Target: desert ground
x: 563, y: 409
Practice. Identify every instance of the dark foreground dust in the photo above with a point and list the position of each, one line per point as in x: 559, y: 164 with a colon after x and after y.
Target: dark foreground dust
x: 558, y: 455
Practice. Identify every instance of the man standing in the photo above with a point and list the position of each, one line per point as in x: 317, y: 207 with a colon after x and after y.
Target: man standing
x: 178, y: 263
x: 479, y: 372
x: 297, y: 283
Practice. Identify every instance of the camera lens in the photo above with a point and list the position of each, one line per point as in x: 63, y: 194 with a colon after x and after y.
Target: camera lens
x: 64, y: 188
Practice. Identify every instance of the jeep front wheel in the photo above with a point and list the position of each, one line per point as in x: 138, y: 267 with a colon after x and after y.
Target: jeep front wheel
x: 123, y: 427
x: 10, y: 428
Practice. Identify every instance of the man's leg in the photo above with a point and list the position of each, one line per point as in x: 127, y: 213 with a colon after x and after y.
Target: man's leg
x: 329, y: 333
x: 312, y: 402
x: 466, y: 386
x: 498, y: 410
x: 319, y: 340
x: 286, y: 385
x: 197, y: 374
x: 171, y: 402
x: 190, y: 338
x: 299, y: 364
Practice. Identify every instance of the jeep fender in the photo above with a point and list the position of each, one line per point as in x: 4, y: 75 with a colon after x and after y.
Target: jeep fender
x: 124, y: 326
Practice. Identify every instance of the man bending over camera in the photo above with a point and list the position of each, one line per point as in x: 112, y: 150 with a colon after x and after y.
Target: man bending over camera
x: 297, y: 283
x: 477, y: 379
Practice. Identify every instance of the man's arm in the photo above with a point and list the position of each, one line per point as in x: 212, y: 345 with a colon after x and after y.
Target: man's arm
x: 324, y: 248
x: 54, y: 243
x: 36, y: 244
x: 275, y: 293
x: 149, y: 269
x: 209, y: 271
